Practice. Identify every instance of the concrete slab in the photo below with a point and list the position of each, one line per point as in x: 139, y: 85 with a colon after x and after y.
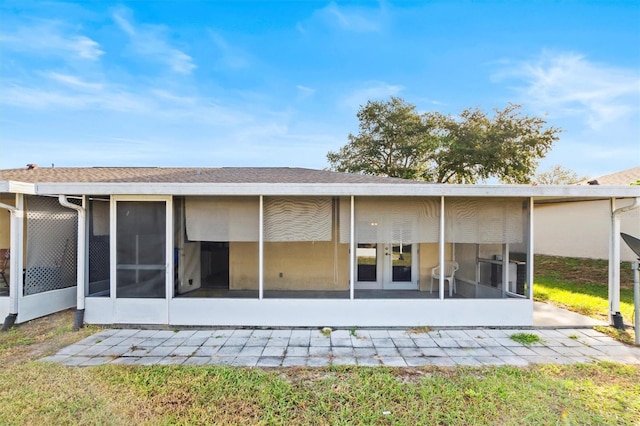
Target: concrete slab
x: 305, y: 347
x: 547, y: 315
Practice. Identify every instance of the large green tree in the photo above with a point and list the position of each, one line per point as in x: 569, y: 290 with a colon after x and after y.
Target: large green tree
x: 395, y: 140
x: 558, y: 175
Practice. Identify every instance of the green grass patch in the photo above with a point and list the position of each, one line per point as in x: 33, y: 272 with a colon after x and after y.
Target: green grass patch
x: 527, y: 339
x: 15, y: 337
x: 34, y: 392
x: 587, y: 299
x: 581, y: 285
x: 43, y: 393
x: 624, y: 336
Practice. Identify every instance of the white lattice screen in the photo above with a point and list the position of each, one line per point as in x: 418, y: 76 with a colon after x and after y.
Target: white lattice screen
x: 51, y: 245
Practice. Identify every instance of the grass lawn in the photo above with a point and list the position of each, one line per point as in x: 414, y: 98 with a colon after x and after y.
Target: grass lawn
x: 34, y: 392
x: 581, y: 285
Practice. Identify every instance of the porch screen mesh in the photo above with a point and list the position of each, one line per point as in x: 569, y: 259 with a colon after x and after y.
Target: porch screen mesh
x: 52, y: 234
x: 99, y: 211
x: 394, y: 220
x: 222, y: 219
x: 344, y: 216
x: 483, y: 221
x: 298, y: 218
x: 99, y: 253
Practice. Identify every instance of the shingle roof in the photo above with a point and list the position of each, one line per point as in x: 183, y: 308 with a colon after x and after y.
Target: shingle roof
x: 625, y: 177
x: 189, y: 175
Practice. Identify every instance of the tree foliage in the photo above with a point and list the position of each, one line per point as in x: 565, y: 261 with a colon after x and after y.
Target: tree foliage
x: 395, y: 140
x: 558, y: 175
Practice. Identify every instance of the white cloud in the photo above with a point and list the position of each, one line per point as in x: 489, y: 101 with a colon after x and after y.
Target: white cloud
x: 373, y: 90
x: 149, y: 41
x: 352, y: 19
x: 50, y: 38
x: 230, y: 56
x: 71, y: 92
x: 73, y: 81
x: 305, y: 92
x: 61, y: 97
x: 567, y: 84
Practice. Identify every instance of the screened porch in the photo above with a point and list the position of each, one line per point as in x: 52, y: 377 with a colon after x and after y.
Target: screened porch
x: 299, y: 247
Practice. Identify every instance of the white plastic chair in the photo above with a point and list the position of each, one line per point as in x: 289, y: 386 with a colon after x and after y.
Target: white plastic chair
x: 450, y: 269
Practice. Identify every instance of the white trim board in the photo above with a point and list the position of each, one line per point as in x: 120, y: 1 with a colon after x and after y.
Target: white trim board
x: 345, y: 313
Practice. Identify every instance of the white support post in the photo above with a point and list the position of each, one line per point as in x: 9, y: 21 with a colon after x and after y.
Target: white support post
x: 505, y: 268
x: 530, y: 252
x: 261, y: 249
x: 352, y: 249
x: 615, y: 242
x: 636, y: 301
x: 15, y: 259
x: 81, y: 256
x: 441, y: 251
x: 611, y: 243
x: 18, y: 265
x: 81, y: 250
x: 477, y: 265
x: 85, y: 203
x: 169, y: 275
x: 614, y: 255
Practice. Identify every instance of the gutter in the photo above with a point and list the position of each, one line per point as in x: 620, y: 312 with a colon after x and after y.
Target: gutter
x: 78, y: 320
x: 14, y: 268
x: 615, y: 318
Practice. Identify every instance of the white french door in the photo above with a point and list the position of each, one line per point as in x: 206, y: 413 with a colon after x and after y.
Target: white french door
x: 386, y: 266
x: 400, y: 267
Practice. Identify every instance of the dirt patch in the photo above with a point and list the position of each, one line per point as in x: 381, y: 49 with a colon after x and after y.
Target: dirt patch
x: 40, y: 337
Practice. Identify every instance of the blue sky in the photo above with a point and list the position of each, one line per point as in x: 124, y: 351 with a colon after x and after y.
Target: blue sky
x: 245, y: 83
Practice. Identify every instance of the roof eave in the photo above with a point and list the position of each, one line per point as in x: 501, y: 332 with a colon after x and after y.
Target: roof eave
x: 337, y: 189
x: 15, y: 187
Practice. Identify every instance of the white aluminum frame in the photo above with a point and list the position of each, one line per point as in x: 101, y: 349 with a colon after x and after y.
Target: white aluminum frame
x: 138, y: 310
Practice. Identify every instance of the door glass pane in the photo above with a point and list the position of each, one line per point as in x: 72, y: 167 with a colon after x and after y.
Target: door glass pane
x: 367, y: 255
x: 141, y: 249
x: 401, y: 263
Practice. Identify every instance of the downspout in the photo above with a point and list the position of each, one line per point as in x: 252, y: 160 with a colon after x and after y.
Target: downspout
x: 261, y: 249
x: 441, y: 250
x: 14, y: 267
x: 80, y: 260
x: 615, y: 318
x: 352, y: 247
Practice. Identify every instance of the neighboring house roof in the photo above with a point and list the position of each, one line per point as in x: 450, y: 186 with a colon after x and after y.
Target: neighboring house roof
x: 189, y: 175
x: 625, y: 177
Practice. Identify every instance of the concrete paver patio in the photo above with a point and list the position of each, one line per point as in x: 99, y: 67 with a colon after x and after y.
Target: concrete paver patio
x: 368, y: 347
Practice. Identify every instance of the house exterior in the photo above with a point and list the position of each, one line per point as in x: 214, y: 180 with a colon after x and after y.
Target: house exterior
x: 268, y: 247
x: 580, y: 228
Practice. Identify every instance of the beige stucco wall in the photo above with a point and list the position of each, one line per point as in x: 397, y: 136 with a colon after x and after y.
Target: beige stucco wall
x: 581, y: 229
x: 308, y: 265
x: 429, y: 259
x: 243, y: 266
x: 5, y: 222
x: 303, y: 265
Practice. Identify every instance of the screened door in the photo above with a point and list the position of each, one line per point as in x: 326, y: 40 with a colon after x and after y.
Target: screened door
x: 142, y: 259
